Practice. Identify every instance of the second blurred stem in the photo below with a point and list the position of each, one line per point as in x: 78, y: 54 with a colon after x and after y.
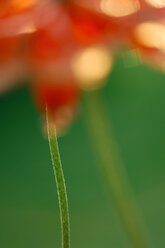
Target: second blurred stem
x: 114, y: 174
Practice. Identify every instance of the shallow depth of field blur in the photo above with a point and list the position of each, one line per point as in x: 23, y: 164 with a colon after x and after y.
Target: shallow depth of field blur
x: 62, y: 52
x: 29, y: 213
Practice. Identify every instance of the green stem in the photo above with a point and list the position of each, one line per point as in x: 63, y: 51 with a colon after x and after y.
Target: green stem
x: 113, y: 171
x: 60, y: 182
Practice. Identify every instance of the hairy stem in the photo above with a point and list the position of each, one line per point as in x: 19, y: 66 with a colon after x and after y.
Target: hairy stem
x: 60, y: 182
x: 113, y: 171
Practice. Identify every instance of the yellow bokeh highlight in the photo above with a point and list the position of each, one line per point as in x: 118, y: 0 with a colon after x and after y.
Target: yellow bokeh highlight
x: 151, y: 34
x: 119, y: 8
x: 156, y: 3
x: 91, y: 66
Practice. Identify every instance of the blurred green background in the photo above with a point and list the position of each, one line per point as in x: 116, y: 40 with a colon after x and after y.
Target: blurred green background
x: 29, y: 213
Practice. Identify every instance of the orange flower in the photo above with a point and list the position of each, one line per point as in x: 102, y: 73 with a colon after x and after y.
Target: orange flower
x: 69, y: 47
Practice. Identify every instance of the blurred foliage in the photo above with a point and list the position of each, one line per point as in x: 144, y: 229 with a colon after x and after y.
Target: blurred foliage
x: 29, y: 213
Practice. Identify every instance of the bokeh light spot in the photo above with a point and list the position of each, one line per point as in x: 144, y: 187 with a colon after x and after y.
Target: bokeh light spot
x: 156, y: 3
x: 151, y: 34
x: 90, y: 66
x: 119, y: 8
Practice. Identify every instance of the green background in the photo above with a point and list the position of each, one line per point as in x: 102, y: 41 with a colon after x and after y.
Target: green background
x: 29, y: 214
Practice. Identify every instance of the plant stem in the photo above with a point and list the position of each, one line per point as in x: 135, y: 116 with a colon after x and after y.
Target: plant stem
x: 113, y: 171
x: 60, y: 182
